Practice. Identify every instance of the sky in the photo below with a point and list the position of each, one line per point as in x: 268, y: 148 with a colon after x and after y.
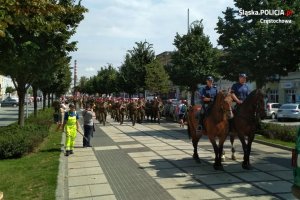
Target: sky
x: 111, y: 28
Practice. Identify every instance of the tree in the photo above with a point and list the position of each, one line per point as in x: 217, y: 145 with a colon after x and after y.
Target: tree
x: 106, y: 80
x: 193, y: 60
x: 134, y: 68
x: 36, y: 36
x: 261, y: 50
x: 9, y: 90
x: 157, y: 79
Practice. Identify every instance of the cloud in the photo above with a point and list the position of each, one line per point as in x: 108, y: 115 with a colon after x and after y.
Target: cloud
x: 110, y: 28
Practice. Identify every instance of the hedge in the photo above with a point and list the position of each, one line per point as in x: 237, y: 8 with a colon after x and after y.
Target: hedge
x: 276, y: 131
x: 16, y: 141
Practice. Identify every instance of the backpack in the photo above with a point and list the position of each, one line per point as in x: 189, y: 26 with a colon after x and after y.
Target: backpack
x: 183, y: 108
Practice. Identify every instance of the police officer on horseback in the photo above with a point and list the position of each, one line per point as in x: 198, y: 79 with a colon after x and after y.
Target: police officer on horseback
x: 207, y: 95
x: 240, y: 90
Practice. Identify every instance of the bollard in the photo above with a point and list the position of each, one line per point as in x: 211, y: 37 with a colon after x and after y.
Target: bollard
x: 296, y: 166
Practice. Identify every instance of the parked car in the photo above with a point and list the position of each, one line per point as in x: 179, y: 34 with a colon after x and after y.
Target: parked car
x: 272, y: 109
x: 289, y: 111
x: 9, y: 102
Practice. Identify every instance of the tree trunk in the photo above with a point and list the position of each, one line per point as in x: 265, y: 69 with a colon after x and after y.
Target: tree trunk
x: 44, y: 100
x: 49, y: 98
x: 34, y: 91
x: 21, y: 94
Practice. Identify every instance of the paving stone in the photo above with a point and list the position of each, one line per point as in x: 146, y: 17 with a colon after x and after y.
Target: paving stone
x: 76, y: 165
x: 170, y: 152
x: 261, y: 197
x: 275, y: 186
x: 157, y: 164
x: 285, y: 175
x: 105, y: 148
x: 101, y: 189
x: 131, y: 146
x: 181, y: 182
x: 255, y: 176
x: 199, y: 193
x: 72, y: 158
x: 87, y: 180
x: 219, y: 178
x: 238, y: 190
x: 105, y: 197
x: 79, y: 192
x: 270, y: 167
x: 127, y: 180
x: 143, y: 154
x: 147, y: 159
x: 288, y: 196
x: 85, y: 171
x: 166, y: 173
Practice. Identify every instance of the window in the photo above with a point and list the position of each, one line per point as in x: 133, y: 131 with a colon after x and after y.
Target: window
x: 273, y: 96
x: 290, y: 96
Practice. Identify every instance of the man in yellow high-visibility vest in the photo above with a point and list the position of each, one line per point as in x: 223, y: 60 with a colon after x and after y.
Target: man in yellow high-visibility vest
x: 71, y: 125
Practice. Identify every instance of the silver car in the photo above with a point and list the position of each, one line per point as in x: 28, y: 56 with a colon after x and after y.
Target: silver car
x: 272, y: 109
x: 289, y: 111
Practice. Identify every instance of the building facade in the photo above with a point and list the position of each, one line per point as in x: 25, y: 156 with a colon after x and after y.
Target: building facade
x: 4, y: 83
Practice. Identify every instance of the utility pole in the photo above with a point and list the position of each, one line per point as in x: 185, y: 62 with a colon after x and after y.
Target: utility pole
x: 75, y: 75
x: 188, y: 21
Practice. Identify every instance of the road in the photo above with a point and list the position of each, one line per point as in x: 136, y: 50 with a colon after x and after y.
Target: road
x: 9, y: 115
x: 154, y: 161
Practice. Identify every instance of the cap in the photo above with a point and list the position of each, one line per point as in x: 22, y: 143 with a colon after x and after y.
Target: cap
x: 71, y: 105
x: 209, y: 78
x: 243, y: 75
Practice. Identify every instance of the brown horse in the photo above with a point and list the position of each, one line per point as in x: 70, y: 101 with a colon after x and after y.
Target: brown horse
x: 245, y: 122
x: 216, y: 124
x: 157, y: 107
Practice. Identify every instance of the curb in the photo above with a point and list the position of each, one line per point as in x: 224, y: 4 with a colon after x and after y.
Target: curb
x: 60, y: 193
x: 273, y: 145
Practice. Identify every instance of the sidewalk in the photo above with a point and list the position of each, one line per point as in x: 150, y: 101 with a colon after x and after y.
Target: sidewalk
x: 152, y: 161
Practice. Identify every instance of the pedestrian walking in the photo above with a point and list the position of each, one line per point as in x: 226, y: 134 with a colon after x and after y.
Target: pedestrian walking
x: 70, y: 126
x: 88, y: 125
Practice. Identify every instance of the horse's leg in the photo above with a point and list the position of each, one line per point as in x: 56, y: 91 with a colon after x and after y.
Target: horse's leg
x: 244, y: 145
x: 249, y: 145
x: 158, y: 117
x: 216, y: 150
x: 195, y: 141
x: 232, y: 137
x: 221, y: 145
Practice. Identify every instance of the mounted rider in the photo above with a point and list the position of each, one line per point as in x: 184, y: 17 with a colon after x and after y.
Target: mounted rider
x: 208, y: 95
x: 240, y: 90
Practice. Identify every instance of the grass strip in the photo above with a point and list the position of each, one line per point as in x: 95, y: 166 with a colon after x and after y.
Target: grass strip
x: 275, y: 141
x: 33, y: 176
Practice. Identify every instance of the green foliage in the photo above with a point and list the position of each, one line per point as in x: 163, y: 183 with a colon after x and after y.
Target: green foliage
x: 261, y: 50
x: 133, y: 71
x: 15, y: 141
x: 106, y: 80
x: 275, y: 131
x: 10, y: 90
x: 157, y: 79
x: 194, y: 58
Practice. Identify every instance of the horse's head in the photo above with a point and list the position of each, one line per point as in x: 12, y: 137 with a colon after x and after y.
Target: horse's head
x: 226, y: 104
x: 260, y: 104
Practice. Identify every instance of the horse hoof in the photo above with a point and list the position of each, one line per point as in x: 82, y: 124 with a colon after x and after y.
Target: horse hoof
x: 196, y: 156
x: 247, y: 166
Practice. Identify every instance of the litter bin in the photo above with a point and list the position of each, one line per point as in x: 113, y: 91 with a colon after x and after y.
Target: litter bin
x: 296, y: 166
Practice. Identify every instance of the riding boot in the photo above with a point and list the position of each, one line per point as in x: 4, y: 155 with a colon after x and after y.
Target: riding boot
x: 201, y: 123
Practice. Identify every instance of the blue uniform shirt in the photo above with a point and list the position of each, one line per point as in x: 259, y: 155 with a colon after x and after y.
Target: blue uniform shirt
x: 241, y: 91
x: 72, y: 114
x: 209, y: 92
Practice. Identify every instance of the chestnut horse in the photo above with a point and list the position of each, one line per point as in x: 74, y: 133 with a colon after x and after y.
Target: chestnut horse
x: 216, y: 124
x: 245, y: 122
